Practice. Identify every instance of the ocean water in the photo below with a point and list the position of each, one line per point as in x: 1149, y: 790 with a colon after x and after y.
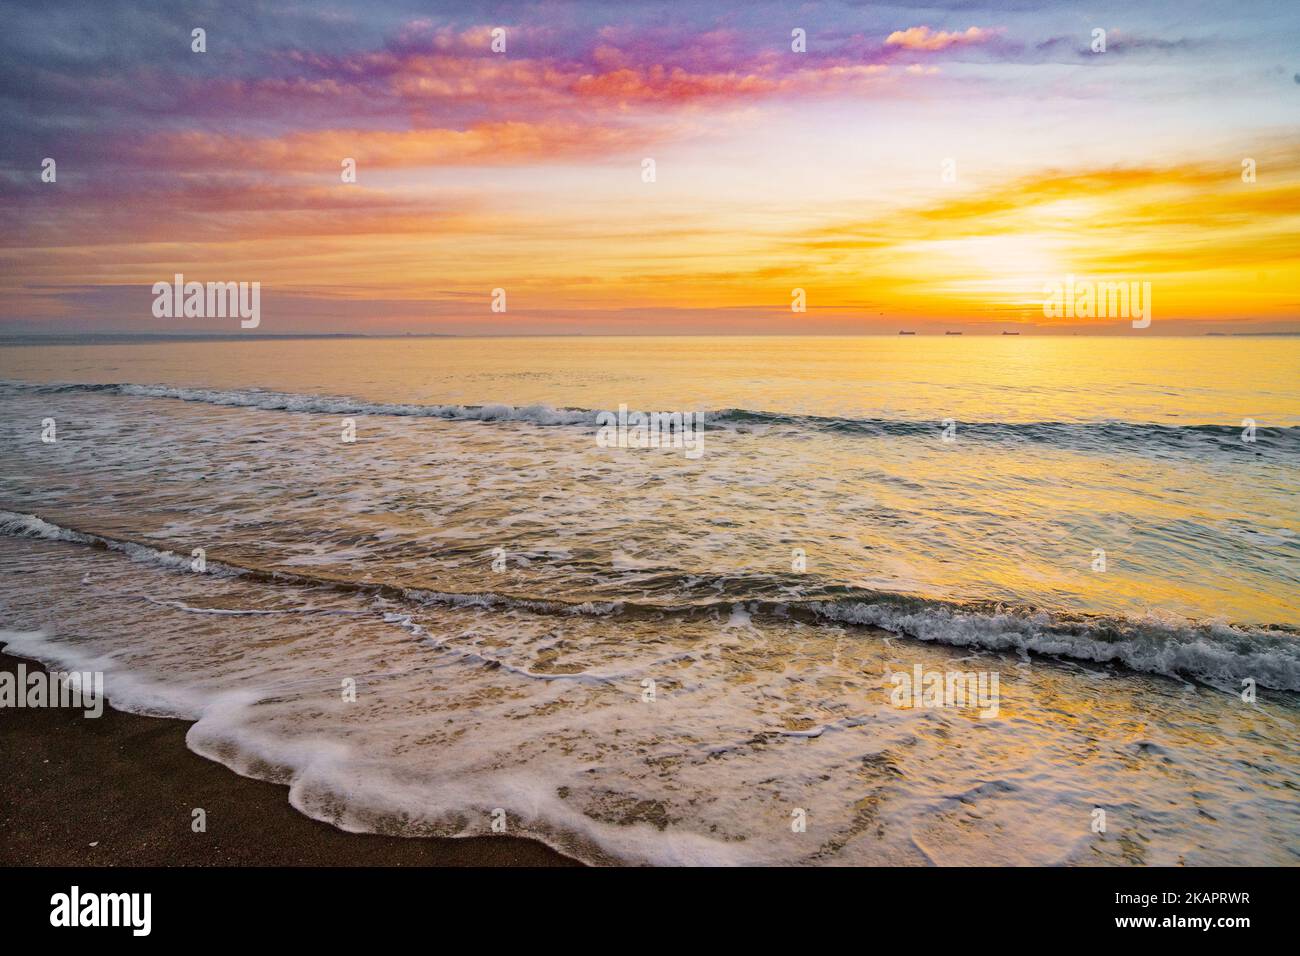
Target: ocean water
x: 644, y: 656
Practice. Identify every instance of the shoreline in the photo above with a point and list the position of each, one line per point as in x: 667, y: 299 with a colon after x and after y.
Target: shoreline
x: 119, y: 790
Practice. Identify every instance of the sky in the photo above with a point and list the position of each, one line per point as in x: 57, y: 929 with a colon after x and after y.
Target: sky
x: 930, y: 167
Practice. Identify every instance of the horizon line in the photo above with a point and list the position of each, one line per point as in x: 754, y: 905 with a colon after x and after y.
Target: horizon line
x: 20, y: 338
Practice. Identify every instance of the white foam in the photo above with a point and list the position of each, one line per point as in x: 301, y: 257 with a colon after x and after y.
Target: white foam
x: 1216, y: 653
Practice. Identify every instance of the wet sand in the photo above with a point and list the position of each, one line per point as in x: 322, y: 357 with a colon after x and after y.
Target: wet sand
x: 119, y: 790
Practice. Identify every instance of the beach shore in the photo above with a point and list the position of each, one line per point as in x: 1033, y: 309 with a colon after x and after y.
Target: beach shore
x: 120, y: 790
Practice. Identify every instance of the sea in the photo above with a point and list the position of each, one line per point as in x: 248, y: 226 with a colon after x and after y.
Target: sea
x: 899, y: 600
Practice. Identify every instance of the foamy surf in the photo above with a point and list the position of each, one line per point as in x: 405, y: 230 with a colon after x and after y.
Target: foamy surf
x: 537, y: 414
x: 556, y: 733
x: 1219, y: 654
x: 1080, y: 434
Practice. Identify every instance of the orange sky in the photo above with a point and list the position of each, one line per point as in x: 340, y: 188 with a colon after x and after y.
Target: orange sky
x: 903, y: 174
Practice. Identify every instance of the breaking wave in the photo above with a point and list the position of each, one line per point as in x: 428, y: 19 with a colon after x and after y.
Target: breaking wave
x: 1097, y: 434
x: 1216, y: 653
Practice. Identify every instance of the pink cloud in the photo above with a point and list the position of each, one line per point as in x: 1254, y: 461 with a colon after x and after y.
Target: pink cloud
x: 923, y: 38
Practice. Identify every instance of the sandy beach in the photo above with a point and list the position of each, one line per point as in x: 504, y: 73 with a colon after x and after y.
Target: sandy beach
x: 120, y: 790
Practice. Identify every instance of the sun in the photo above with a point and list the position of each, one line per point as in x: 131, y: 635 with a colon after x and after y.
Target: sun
x: 1000, y: 269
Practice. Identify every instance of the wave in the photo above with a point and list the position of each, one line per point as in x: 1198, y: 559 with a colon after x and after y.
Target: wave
x: 30, y: 526
x: 1101, y: 434
x: 323, y: 404
x: 1215, y: 653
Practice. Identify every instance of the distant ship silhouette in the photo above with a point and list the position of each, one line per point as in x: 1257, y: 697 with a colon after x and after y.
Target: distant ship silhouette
x: 905, y: 333
x: 952, y: 333
x: 1010, y: 333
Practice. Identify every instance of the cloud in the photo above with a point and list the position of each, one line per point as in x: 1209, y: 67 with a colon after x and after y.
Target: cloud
x: 479, y: 169
x: 923, y: 38
x: 483, y: 144
x: 1118, y: 43
x: 1192, y: 228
